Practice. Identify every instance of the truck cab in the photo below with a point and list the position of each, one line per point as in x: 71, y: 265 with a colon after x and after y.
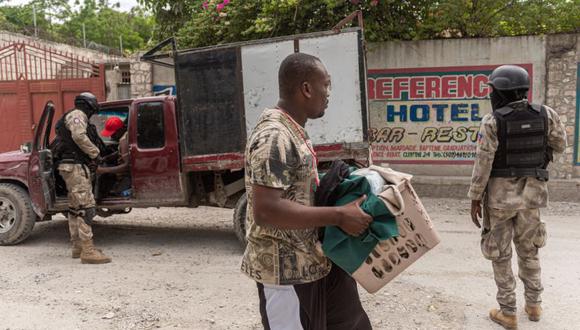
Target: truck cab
x: 31, y: 189
x: 155, y: 175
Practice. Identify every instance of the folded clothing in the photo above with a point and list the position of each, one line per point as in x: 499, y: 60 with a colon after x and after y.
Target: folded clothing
x: 349, y: 252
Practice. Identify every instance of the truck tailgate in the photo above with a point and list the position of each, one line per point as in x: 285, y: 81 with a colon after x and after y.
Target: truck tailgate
x: 223, y: 90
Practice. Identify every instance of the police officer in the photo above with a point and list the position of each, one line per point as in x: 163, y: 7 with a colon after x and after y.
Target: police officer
x: 515, y: 145
x: 77, y: 150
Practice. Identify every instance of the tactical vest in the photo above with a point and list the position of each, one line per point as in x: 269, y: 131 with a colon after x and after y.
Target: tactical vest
x: 523, y: 143
x: 64, y: 148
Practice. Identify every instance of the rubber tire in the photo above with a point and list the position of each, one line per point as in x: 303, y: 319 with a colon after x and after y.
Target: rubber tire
x: 240, y: 219
x: 25, y: 216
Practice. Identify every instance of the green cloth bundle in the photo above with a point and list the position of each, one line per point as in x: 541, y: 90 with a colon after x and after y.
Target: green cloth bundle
x: 350, y: 252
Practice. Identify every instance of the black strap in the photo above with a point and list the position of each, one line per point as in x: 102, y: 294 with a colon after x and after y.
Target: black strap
x: 536, y: 107
x: 504, y: 111
x: 68, y: 161
x: 538, y: 173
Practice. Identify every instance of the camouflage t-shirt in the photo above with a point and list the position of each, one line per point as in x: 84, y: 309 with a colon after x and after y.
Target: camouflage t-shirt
x: 511, y: 193
x: 278, y: 156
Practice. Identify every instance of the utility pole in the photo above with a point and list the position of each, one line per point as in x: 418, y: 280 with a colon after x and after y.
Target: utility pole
x: 84, y: 36
x: 121, y: 44
x: 34, y: 20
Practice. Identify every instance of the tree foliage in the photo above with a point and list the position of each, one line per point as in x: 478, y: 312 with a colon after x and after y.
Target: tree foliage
x: 21, y: 18
x: 106, y: 25
x: 103, y: 23
x: 491, y: 18
x: 206, y: 22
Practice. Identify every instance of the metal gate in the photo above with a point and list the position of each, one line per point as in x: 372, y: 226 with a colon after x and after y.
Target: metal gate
x: 31, y: 75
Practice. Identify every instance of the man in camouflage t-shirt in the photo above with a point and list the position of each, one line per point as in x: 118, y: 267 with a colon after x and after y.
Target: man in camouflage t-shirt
x: 296, y: 282
x: 282, y: 256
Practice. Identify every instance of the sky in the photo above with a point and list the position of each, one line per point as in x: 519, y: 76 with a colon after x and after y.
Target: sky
x: 126, y: 5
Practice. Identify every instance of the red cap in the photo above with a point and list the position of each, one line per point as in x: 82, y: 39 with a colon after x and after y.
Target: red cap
x: 111, y: 126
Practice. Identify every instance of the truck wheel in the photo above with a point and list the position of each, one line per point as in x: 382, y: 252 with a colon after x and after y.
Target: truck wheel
x: 17, y: 217
x: 240, y: 219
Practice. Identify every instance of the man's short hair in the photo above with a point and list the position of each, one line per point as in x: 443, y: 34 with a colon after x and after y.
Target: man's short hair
x: 294, y: 70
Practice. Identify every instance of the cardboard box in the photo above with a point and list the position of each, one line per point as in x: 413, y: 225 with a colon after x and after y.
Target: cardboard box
x: 391, y: 257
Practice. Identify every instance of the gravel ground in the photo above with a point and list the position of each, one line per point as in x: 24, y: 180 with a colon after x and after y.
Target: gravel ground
x: 179, y: 269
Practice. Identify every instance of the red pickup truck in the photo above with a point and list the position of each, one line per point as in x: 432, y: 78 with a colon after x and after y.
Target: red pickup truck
x: 188, y: 150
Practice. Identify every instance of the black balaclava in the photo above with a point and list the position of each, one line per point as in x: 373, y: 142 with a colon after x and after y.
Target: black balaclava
x: 119, y: 133
x: 500, y: 99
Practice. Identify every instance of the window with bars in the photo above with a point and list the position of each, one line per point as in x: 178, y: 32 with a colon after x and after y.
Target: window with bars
x: 125, y: 77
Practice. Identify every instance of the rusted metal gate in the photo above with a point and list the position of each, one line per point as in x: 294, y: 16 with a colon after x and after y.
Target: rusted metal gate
x: 32, y: 74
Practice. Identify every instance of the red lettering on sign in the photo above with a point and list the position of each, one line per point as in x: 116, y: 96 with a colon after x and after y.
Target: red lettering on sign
x: 465, y: 87
x: 384, y: 88
x: 371, y: 88
x: 448, y: 84
x: 480, y: 88
x: 432, y: 87
x: 417, y: 87
x: 399, y: 86
x: 424, y: 84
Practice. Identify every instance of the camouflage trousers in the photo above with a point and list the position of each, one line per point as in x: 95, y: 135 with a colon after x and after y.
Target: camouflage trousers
x: 80, y: 196
x: 528, y: 234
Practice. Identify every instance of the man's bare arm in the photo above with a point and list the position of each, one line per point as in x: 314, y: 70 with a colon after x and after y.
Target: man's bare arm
x: 270, y: 209
x: 121, y: 168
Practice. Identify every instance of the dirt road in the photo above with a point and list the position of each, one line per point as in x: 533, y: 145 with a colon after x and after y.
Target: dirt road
x: 178, y: 269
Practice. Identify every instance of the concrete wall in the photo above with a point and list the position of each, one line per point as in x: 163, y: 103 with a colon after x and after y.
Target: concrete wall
x: 562, y: 58
x: 112, y: 77
x: 141, y: 77
x: 163, y: 75
x: 462, y: 52
x: 145, y: 77
x: 114, y: 80
x: 553, y: 61
x: 96, y: 56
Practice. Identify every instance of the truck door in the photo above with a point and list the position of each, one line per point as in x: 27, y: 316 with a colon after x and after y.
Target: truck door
x: 40, y: 168
x: 154, y: 152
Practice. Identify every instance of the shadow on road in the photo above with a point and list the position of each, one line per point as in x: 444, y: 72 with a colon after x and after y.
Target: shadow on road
x: 184, y: 236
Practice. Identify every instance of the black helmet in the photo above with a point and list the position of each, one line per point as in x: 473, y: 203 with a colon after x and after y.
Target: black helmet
x: 509, y: 78
x: 87, y: 102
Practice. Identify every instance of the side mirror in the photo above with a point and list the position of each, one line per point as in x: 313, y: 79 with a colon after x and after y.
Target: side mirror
x: 26, y: 147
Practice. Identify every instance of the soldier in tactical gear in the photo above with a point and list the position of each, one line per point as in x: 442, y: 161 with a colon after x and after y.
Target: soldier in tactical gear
x: 515, y: 145
x: 77, y: 150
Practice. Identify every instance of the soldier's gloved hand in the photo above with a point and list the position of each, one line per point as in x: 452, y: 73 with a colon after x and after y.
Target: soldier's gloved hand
x: 476, y: 212
x: 94, y: 164
x: 110, y: 157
